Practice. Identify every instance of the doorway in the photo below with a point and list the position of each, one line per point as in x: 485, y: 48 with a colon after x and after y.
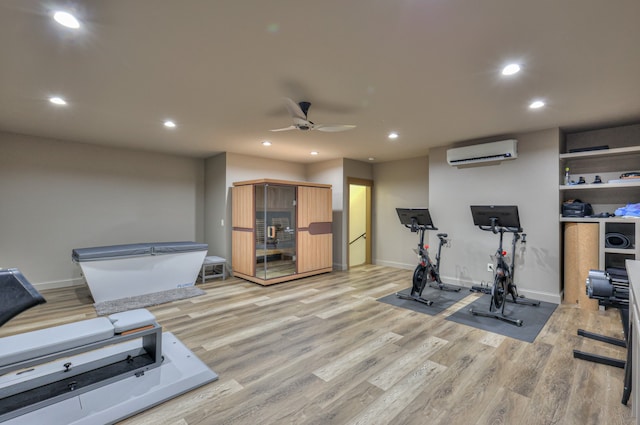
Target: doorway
x: 359, y: 222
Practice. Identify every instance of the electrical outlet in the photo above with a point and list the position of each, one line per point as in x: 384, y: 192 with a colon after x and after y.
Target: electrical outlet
x: 490, y: 267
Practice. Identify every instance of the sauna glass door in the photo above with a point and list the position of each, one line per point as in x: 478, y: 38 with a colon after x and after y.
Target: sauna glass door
x: 275, y: 231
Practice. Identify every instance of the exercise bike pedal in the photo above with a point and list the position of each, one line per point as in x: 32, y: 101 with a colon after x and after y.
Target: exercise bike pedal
x: 524, y: 301
x: 444, y: 287
x: 481, y: 288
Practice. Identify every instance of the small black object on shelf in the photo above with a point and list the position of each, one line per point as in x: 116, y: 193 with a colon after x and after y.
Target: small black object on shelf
x: 591, y: 148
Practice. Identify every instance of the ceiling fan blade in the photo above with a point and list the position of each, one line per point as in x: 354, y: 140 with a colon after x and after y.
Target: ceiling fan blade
x: 294, y: 109
x: 333, y: 128
x: 291, y: 127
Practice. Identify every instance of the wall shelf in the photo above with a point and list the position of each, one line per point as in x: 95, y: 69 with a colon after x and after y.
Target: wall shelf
x: 600, y: 220
x: 602, y: 186
x: 601, y: 153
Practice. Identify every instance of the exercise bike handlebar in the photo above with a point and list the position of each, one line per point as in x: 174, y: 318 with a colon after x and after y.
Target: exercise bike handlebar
x: 498, y: 229
x: 416, y: 227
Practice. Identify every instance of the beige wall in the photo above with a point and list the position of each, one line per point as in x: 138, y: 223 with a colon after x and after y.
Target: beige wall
x: 332, y: 172
x: 531, y: 183
x: 56, y: 196
x: 398, y: 184
x: 245, y: 167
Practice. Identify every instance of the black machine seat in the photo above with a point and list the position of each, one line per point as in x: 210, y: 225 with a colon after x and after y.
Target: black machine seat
x: 18, y: 294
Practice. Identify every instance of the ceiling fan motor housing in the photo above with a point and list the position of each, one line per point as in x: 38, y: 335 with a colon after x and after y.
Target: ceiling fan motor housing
x: 305, y: 107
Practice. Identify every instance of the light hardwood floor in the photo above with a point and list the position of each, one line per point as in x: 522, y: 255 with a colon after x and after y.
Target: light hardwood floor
x: 322, y: 350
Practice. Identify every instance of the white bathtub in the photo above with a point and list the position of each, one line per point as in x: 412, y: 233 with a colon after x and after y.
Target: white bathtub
x: 121, y: 271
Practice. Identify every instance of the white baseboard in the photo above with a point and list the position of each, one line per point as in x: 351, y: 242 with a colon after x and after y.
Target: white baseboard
x: 55, y: 284
x: 395, y: 264
x: 528, y: 293
x: 340, y: 267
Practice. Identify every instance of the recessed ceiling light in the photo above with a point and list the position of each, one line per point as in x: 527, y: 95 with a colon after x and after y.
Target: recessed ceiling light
x: 393, y: 135
x: 169, y: 124
x: 56, y: 100
x: 371, y: 158
x: 266, y: 143
x: 536, y: 104
x: 512, y: 68
x: 314, y: 153
x: 66, y: 19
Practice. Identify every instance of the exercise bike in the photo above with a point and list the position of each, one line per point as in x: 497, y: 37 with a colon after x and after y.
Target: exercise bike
x: 501, y: 220
x: 427, y: 272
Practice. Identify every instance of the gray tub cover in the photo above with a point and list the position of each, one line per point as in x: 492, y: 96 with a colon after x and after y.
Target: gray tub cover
x: 134, y: 250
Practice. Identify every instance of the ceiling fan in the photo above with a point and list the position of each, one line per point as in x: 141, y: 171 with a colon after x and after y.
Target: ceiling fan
x: 298, y: 112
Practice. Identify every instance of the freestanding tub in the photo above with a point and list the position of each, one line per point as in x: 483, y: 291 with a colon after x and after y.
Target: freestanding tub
x: 121, y: 271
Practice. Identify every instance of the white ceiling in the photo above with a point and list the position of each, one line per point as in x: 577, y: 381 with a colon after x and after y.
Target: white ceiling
x: 428, y: 69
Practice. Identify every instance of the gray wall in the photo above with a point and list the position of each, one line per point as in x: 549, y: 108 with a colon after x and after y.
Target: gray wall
x: 215, y: 221
x: 398, y: 184
x: 531, y: 183
x: 56, y: 196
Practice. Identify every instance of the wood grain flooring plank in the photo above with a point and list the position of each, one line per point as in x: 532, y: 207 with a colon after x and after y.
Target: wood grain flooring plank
x: 491, y: 339
x: 378, y: 291
x: 249, y: 332
x: 405, y: 364
x: 549, y: 400
x: 343, y: 363
x: 293, y: 296
x: 522, y: 373
x: 342, y: 409
x: 229, y: 307
x: 505, y: 408
x: 442, y: 392
x: 342, y: 308
x: 397, y: 398
x: 195, y: 400
x: 473, y: 394
x: 324, y: 395
x: 327, y: 294
x: 459, y: 347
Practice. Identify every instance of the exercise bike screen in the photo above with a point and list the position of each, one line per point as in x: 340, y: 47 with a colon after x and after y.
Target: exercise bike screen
x: 506, y: 215
x: 422, y: 216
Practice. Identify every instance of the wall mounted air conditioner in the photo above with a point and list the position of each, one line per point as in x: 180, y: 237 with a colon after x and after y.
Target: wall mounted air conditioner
x: 486, y: 152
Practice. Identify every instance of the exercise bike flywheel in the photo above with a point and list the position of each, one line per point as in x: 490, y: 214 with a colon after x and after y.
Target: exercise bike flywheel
x: 498, y: 293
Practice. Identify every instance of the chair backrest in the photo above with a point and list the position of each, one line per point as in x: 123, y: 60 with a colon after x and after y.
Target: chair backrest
x: 18, y: 294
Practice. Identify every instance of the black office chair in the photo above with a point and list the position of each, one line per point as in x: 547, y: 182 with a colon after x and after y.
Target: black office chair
x: 17, y: 293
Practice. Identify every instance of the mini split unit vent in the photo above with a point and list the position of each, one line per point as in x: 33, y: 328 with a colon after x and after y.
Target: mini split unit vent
x: 486, y: 152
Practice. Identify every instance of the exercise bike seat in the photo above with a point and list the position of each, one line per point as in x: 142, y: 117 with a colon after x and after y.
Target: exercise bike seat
x: 442, y: 235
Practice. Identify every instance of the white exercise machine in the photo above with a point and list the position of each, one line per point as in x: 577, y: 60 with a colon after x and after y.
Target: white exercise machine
x: 95, y: 371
